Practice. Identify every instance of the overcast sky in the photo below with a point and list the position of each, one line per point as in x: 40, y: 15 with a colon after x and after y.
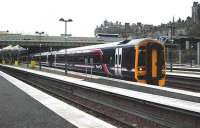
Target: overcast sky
x: 28, y: 16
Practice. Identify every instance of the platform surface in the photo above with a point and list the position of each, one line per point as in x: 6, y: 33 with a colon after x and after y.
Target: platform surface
x: 22, y: 106
x: 19, y: 110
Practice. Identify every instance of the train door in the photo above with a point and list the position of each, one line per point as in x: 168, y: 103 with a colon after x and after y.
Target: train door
x: 47, y: 60
x: 50, y: 60
x: 118, y: 62
x: 55, y: 60
x: 154, y: 62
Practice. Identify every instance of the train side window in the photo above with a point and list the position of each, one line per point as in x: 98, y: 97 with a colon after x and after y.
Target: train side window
x: 111, y: 59
x: 96, y: 59
x: 115, y: 59
x: 120, y: 59
x: 128, y: 57
x: 80, y: 59
x: 60, y: 58
x: 43, y: 58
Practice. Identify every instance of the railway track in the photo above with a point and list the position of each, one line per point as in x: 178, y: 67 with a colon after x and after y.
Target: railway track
x: 181, y: 82
x: 128, y: 111
x: 186, y: 69
x: 185, y: 83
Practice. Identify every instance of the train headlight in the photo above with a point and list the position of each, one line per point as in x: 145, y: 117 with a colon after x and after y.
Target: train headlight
x: 141, y: 68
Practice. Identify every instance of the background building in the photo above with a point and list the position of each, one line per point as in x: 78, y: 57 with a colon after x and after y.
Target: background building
x: 188, y: 27
x: 196, y: 13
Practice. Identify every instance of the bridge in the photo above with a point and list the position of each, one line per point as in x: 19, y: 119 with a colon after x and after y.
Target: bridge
x: 33, y: 42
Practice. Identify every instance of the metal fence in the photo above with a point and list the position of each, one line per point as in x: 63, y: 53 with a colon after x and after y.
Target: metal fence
x: 182, y: 57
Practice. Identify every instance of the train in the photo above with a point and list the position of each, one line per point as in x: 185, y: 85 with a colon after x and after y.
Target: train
x: 140, y: 60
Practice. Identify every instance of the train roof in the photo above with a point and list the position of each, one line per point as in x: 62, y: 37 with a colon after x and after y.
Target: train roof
x: 46, y: 53
x: 133, y: 42
x: 114, y: 44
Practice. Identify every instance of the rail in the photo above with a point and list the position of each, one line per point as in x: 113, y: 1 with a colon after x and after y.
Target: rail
x: 183, y: 82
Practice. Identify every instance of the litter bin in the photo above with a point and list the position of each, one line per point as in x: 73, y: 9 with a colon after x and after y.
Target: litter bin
x: 16, y: 63
x: 33, y: 63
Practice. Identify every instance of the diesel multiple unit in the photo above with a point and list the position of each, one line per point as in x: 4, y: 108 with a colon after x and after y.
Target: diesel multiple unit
x: 140, y: 60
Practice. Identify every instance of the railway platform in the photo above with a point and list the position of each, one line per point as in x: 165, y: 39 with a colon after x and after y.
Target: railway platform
x: 23, y: 106
x: 146, y: 88
x: 146, y: 105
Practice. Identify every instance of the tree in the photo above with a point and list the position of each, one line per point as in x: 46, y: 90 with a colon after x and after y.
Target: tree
x: 179, y: 20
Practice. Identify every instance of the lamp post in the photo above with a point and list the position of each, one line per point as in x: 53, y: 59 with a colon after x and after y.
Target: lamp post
x: 40, y: 35
x: 191, y: 55
x: 171, y: 44
x: 27, y: 58
x: 66, y: 21
x: 50, y: 58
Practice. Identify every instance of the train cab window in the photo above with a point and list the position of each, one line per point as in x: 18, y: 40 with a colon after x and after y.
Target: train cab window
x: 142, y: 58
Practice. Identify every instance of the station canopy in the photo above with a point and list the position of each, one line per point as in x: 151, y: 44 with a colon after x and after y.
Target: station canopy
x: 18, y: 48
x: 7, y: 48
x: 11, y: 48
